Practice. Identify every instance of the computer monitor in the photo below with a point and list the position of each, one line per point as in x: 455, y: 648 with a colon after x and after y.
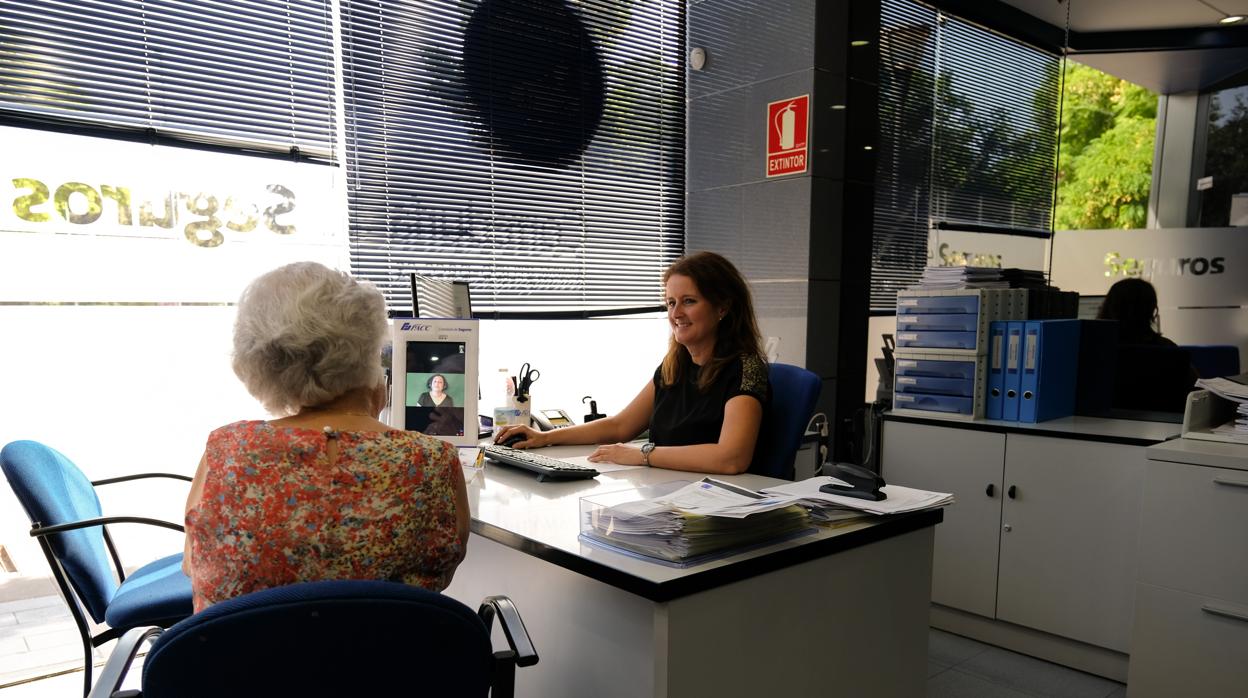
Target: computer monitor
x: 1089, y: 306
x: 434, y: 378
x: 435, y: 298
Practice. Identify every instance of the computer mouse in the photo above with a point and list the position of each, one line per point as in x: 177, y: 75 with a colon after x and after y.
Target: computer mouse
x: 512, y: 440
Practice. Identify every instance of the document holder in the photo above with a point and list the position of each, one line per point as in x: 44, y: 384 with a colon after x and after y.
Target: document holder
x: 863, y: 484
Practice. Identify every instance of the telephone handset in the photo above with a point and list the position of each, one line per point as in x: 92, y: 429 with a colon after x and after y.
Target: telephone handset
x: 547, y: 420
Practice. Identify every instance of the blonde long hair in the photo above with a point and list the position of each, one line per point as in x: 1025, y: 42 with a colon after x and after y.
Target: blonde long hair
x: 719, y: 282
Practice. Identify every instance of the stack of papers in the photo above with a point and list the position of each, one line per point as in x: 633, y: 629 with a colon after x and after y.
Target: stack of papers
x: 697, y: 520
x: 1230, y: 389
x: 950, y: 278
x: 899, y: 500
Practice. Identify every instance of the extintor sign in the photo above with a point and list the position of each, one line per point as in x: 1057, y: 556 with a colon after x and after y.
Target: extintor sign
x: 786, y: 136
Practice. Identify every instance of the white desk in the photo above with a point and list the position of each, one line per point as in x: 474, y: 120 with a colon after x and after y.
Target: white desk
x: 838, y: 612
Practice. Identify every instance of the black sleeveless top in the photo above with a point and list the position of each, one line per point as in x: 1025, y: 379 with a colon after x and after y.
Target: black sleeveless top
x: 684, y: 415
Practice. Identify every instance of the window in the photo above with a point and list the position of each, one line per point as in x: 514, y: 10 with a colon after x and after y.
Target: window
x: 968, y: 128
x: 254, y: 75
x: 1226, y: 160
x: 533, y: 149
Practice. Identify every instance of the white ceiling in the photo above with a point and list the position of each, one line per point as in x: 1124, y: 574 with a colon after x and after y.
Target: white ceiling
x: 1127, y: 15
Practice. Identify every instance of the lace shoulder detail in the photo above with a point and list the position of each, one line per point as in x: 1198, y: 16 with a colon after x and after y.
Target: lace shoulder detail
x: 754, y: 376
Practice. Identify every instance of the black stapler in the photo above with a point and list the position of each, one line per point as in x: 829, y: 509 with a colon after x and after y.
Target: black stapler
x: 863, y: 483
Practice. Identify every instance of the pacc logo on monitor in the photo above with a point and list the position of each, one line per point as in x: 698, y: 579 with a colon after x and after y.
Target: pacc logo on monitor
x: 414, y: 326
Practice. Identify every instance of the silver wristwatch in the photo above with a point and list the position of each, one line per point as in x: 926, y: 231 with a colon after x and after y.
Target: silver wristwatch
x: 646, y: 448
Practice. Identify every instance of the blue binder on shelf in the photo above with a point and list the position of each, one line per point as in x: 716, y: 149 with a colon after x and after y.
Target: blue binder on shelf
x: 1049, y: 371
x: 1013, y: 367
x: 996, y: 370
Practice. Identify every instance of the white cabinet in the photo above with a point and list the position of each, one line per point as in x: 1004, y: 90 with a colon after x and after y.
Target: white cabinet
x: 1069, y: 537
x: 1191, y: 614
x: 969, y: 464
x: 1043, y: 530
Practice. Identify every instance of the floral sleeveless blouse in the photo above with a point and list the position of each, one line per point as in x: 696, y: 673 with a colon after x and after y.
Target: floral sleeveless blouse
x: 276, y: 511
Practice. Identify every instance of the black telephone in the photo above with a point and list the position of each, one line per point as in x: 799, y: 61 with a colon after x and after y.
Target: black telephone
x: 546, y: 420
x: 863, y: 483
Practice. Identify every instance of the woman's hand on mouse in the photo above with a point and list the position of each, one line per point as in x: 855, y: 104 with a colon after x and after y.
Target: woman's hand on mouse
x: 528, y: 437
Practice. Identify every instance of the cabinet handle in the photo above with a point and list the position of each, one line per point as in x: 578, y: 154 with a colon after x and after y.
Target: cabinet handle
x: 1224, y: 612
x: 1012, y: 491
x: 1230, y: 483
x: 990, y: 490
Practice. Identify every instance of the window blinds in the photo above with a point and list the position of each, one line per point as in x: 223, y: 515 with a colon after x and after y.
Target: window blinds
x: 254, y: 75
x: 968, y: 131
x: 534, y: 148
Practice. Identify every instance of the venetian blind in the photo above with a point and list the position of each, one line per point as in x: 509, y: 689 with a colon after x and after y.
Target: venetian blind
x: 252, y: 74
x: 533, y: 148
x: 968, y: 137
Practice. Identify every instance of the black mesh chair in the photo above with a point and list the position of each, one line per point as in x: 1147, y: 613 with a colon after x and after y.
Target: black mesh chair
x: 330, y: 638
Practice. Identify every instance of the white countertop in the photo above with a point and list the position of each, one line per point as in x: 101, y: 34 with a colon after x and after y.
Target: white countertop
x: 1215, y: 454
x: 511, y: 507
x: 1089, y: 428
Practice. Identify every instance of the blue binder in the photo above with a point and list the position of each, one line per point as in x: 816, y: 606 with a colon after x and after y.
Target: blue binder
x: 996, y: 370
x: 1050, y: 368
x: 1013, y: 366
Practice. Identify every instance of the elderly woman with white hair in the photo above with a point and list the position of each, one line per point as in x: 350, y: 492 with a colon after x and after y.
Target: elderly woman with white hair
x: 324, y: 491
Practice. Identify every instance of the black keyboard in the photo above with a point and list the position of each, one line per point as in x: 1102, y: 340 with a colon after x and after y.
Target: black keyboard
x: 547, y: 468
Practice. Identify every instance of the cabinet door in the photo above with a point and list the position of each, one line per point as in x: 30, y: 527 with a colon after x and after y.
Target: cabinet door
x: 968, y: 464
x: 1069, y: 537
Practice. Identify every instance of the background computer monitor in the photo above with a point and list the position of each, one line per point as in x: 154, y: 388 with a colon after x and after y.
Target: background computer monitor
x: 436, y: 298
x: 429, y: 349
x: 1089, y: 306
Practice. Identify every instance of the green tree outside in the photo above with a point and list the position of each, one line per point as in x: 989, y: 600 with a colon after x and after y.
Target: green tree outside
x: 1105, y: 163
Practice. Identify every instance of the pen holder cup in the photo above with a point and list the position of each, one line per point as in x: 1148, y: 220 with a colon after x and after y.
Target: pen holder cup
x: 512, y: 413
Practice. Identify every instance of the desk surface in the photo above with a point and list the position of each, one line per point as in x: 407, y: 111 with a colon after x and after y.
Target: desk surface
x: 510, y: 507
x: 1194, y: 451
x: 1121, y: 431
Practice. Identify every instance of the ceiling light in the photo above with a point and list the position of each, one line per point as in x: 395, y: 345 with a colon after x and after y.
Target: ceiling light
x: 859, y: 43
x: 1231, y: 19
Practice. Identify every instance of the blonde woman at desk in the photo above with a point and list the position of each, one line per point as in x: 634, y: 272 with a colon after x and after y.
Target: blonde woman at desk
x: 705, y: 403
x: 325, y: 490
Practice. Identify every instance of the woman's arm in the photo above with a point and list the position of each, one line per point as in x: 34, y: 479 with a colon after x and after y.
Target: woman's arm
x: 731, y: 455
x: 625, y: 426
x: 192, y: 501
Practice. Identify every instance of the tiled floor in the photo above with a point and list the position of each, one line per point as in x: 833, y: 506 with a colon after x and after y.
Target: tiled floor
x: 958, y: 667
x: 38, y: 636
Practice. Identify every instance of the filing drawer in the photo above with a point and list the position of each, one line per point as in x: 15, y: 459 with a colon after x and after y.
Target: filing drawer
x: 937, y: 304
x: 935, y: 369
x: 964, y: 387
x: 938, y: 323
x: 1178, y: 648
x: 934, y: 403
x: 936, y: 340
x: 1193, y: 528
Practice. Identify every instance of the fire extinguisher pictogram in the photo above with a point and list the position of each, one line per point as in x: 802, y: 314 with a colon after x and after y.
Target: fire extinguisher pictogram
x: 786, y: 125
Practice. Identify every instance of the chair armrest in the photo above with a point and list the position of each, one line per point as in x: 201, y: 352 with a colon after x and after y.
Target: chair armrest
x: 513, y: 627
x: 37, y: 530
x: 118, y: 664
x: 140, y: 476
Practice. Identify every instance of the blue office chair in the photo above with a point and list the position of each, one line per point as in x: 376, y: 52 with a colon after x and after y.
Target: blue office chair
x: 66, y: 519
x: 328, y: 638
x: 794, y: 392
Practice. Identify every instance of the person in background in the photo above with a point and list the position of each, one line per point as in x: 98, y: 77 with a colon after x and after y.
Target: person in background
x: 1152, y: 373
x: 705, y: 402
x: 1133, y: 303
x: 324, y: 491
x: 436, y: 395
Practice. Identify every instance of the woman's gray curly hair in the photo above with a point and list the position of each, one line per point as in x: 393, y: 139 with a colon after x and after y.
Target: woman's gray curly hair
x: 306, y: 334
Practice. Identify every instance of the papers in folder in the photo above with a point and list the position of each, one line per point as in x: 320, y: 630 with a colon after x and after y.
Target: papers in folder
x: 697, y: 520
x: 1235, y: 391
x: 900, y: 499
